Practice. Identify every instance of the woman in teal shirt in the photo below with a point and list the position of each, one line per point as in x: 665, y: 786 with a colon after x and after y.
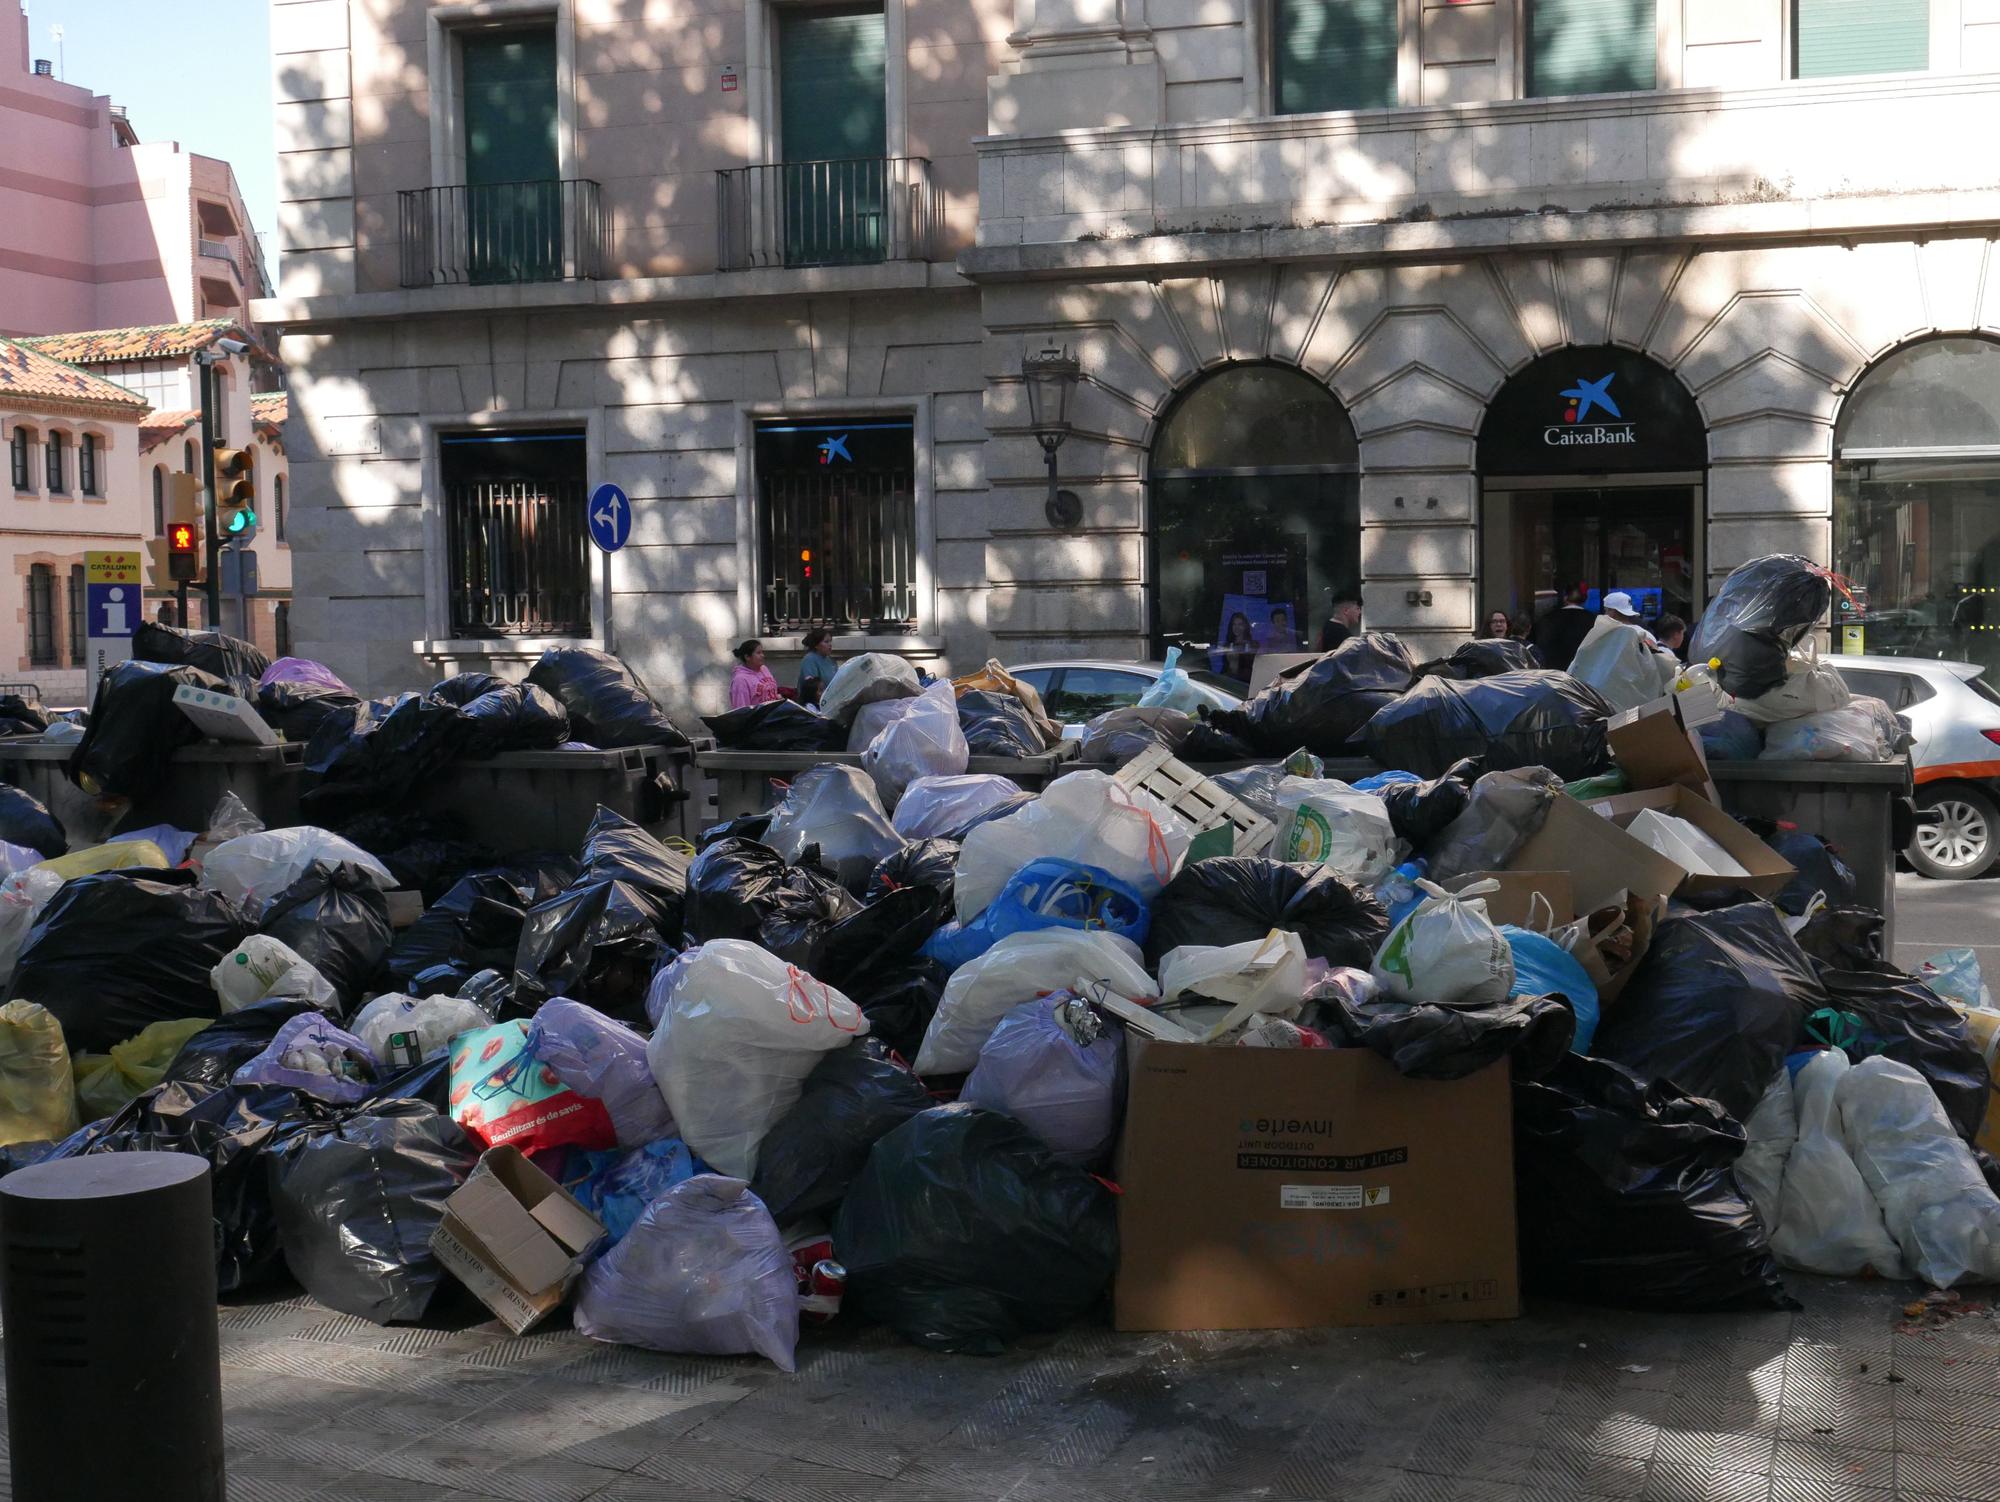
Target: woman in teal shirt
x: 816, y: 667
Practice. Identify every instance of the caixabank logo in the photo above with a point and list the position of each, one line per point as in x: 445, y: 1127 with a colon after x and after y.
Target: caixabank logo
x: 1580, y: 402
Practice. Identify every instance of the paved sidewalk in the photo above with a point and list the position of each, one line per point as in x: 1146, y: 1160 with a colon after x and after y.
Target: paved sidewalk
x: 1828, y: 1405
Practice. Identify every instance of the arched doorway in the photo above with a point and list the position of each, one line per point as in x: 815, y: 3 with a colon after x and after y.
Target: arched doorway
x: 1916, y: 504
x: 1256, y: 514
x: 1591, y: 465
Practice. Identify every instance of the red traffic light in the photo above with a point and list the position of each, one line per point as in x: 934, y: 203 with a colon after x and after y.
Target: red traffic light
x: 180, y: 538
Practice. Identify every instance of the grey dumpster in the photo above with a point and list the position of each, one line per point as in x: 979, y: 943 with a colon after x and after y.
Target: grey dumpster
x: 266, y: 778
x: 544, y: 800
x: 741, y: 777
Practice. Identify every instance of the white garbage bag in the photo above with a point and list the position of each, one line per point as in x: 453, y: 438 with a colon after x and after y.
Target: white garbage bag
x: 1053, y: 1066
x: 1811, y: 687
x: 704, y: 1273
x: 1772, y: 1129
x: 738, y: 1032
x: 926, y: 742
x: 262, y: 968
x: 864, y: 679
x: 1933, y: 1196
x: 1019, y: 968
x: 1447, y: 951
x: 933, y: 807
x: 431, y: 1021
x: 1323, y: 822
x: 1259, y: 975
x: 602, y: 1059
x: 1828, y: 1220
x: 1087, y: 817
x: 1624, y: 664
x: 870, y: 720
x: 23, y: 895
x: 1853, y: 732
x: 254, y: 868
x: 834, y: 807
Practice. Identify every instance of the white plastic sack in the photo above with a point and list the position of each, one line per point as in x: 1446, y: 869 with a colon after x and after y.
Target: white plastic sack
x: 864, y: 679
x: 1257, y: 976
x: 1327, y: 823
x: 605, y: 1060
x: 1624, y: 664
x: 1037, y: 1068
x: 262, y: 968
x: 254, y: 868
x: 435, y: 1020
x: 1447, y: 951
x: 1173, y: 689
x: 703, y: 1273
x: 1828, y: 1220
x: 1933, y: 1196
x: 1851, y: 733
x: 834, y: 807
x: 934, y: 806
x: 23, y: 895
x: 1019, y: 968
x: 1772, y: 1129
x: 1811, y: 687
x: 739, y: 1030
x: 1087, y: 817
x: 926, y: 742
x: 870, y: 720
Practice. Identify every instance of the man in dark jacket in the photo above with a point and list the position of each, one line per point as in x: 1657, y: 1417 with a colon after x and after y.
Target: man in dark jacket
x: 1558, y: 634
x: 1343, y: 623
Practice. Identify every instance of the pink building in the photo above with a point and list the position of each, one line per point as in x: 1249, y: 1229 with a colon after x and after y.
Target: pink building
x: 99, y: 229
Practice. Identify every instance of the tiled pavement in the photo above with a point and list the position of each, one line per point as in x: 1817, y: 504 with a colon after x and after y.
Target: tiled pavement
x: 1829, y: 1405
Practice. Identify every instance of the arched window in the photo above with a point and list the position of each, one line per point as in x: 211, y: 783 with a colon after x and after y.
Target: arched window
x: 87, y: 448
x: 1916, y: 504
x: 17, y: 454
x: 1256, y: 514
x: 41, y: 615
x: 187, y: 459
x: 58, y: 465
x: 278, y: 504
x: 159, y: 500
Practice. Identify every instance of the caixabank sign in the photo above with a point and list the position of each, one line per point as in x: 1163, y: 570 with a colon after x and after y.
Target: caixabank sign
x: 1592, y: 409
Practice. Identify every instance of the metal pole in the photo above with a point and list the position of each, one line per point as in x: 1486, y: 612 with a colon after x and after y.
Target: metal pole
x: 213, y: 587
x: 604, y: 630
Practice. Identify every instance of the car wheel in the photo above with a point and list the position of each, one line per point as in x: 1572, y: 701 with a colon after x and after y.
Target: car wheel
x: 1958, y: 834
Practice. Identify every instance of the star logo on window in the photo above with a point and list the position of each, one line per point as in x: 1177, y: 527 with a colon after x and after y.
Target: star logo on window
x: 833, y: 448
x: 1587, y: 394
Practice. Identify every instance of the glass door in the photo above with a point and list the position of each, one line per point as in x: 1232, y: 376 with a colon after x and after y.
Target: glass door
x: 1536, y: 545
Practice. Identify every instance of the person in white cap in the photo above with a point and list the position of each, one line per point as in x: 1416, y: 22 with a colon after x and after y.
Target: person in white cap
x: 1620, y: 659
x: 1619, y: 605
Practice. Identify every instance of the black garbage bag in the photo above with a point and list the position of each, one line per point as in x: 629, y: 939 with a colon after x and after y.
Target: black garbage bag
x: 336, y: 919
x: 356, y: 1204
x: 899, y: 1001
x: 1763, y: 610
x: 127, y: 749
x: 19, y: 717
x: 429, y: 1082
x: 1449, y: 1042
x: 997, y: 724
x: 1845, y: 938
x: 432, y: 867
x: 814, y: 905
x: 1233, y: 899
x: 1732, y: 737
x: 1626, y: 1196
x: 1817, y: 868
x: 1528, y: 719
x: 1322, y: 705
x: 112, y: 953
x: 475, y: 926
x: 1206, y: 741
x: 297, y: 710
x: 1883, y: 1011
x: 607, y: 704
x: 742, y: 827
x: 1421, y: 811
x: 781, y: 725
x: 505, y: 716
x: 854, y: 1097
x: 963, y: 1231
x: 373, y: 756
x: 739, y: 889
x: 236, y: 662
x: 1719, y: 1000
x: 26, y: 820
x: 890, y: 930
x: 616, y: 849
x: 931, y: 864
x: 213, y: 1055
x: 596, y: 943
x: 1492, y: 655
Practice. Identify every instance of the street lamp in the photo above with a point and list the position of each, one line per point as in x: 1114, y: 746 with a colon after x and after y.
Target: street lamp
x: 1050, y: 375
x: 204, y: 360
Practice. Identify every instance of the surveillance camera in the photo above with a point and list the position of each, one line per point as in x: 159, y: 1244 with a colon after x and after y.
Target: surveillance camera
x: 232, y: 346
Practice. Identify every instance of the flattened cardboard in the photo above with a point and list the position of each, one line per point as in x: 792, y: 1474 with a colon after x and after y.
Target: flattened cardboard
x: 1514, y: 903
x: 1603, y: 861
x: 1768, y: 870
x: 1654, y: 747
x: 1287, y: 1188
x: 515, y: 1237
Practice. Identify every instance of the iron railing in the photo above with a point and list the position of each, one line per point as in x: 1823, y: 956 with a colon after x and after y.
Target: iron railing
x: 837, y: 213
x: 543, y: 231
x: 518, y: 559
x: 839, y: 549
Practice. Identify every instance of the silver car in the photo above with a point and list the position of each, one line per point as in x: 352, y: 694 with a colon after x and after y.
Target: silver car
x: 1955, y: 716
x: 1078, y: 691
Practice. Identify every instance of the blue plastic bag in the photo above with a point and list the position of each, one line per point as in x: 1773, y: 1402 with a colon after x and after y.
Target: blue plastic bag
x: 1382, y: 780
x: 1048, y: 893
x: 1734, y: 737
x: 1173, y: 689
x: 617, y: 1186
x: 1542, y: 967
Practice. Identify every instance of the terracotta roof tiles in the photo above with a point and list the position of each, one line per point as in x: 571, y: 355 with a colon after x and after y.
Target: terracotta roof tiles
x: 157, y: 341
x: 31, y: 375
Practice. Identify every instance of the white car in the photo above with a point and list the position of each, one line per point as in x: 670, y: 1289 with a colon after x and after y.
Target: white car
x: 1077, y: 692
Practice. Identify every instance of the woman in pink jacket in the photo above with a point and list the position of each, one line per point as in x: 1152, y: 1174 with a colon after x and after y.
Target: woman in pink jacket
x: 752, y: 682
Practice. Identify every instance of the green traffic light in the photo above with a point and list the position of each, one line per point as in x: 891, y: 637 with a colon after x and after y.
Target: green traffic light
x: 242, y: 521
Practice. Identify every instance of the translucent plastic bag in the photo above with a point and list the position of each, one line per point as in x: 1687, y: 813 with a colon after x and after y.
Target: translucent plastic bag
x: 23, y: 895
x: 1264, y: 975
x: 1054, y: 1066
x: 945, y: 807
x: 1764, y: 609
x: 1773, y: 1129
x: 703, y: 1273
x: 1173, y: 689
x: 926, y: 742
x: 1046, y: 894
x: 1447, y: 952
x: 112, y: 855
x: 1327, y: 823
x: 1623, y: 664
x: 310, y: 1054
x: 1086, y: 817
x: 617, y: 1184
x: 1827, y: 1220
x: 864, y: 679
x: 1121, y: 735
x: 603, y: 1060
x: 836, y: 808
x: 870, y: 720
x: 106, y: 1082
x: 37, y: 1088
x: 1954, y: 975
x: 1810, y: 687
x: 254, y: 868
x: 1850, y: 733
x: 739, y: 1030
x: 1019, y: 968
x: 262, y: 968
x: 1505, y: 810
x: 395, y: 1027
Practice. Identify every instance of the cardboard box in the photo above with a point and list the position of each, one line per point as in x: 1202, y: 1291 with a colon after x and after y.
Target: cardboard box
x: 1602, y: 860
x: 1640, y: 916
x: 515, y: 1237
x: 1654, y: 747
x: 1515, y: 902
x: 1285, y: 1188
x: 1768, y: 870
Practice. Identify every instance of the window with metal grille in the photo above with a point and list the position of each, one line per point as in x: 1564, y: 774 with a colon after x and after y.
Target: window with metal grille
x: 1335, y: 56
x: 86, y: 464
x: 78, y: 632
x: 278, y: 504
x: 187, y: 459
x: 837, y: 524
x: 41, y: 615
x: 159, y: 500
x: 57, y: 468
x: 17, y: 449
x: 515, y: 533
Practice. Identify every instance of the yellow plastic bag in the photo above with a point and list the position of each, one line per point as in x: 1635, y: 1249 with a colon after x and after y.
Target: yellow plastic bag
x: 37, y: 1096
x: 994, y: 679
x: 106, y: 1082
x: 117, y: 855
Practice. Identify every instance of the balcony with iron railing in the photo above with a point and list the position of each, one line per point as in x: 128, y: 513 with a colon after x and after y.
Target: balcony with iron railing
x: 491, y: 233
x: 216, y: 250
x: 853, y: 212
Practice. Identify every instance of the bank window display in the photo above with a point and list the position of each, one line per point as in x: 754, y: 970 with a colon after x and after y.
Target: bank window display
x: 1916, y: 505
x: 837, y: 524
x: 1256, y: 515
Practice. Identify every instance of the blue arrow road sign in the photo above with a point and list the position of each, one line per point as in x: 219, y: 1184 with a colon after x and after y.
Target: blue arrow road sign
x: 610, y: 518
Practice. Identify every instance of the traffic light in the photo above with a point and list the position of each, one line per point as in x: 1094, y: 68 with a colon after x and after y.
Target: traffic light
x: 235, y: 493
x: 183, y: 550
